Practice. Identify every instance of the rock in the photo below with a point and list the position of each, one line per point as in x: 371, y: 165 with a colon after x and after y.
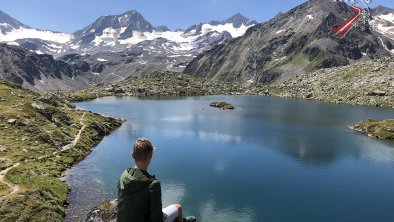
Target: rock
x: 109, y: 89
x: 106, y: 212
x: 11, y: 121
x: 37, y: 106
x: 376, y: 93
x: 119, y: 90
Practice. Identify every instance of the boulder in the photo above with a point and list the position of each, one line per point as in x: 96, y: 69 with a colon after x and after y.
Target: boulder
x: 106, y: 212
x: 376, y: 93
x: 11, y: 121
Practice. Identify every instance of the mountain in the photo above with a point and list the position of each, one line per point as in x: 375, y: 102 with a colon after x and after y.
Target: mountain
x: 383, y: 23
x: 118, y: 46
x: 14, y: 32
x: 7, y: 23
x: 42, y: 72
x: 290, y: 44
x: 118, y: 32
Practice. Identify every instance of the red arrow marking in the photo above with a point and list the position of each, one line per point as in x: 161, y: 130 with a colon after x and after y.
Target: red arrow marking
x: 342, y: 29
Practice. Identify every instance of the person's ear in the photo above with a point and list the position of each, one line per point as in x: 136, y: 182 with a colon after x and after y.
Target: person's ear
x: 132, y: 155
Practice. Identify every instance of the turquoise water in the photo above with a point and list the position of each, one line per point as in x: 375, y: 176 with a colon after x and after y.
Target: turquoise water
x: 270, y: 159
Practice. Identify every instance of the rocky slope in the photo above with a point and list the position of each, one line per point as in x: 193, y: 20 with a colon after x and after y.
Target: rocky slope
x: 361, y: 83
x: 41, y: 136
x: 290, y: 44
x: 383, y: 23
x: 42, y: 72
x: 158, y: 84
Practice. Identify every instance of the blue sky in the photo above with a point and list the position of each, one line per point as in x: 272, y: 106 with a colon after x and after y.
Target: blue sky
x: 72, y: 15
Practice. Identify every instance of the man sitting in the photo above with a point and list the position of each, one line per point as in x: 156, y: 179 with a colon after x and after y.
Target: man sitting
x: 139, y: 193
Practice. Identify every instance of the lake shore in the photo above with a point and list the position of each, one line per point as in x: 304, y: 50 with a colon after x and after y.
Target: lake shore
x: 367, y: 83
x: 212, y: 134
x: 42, y: 136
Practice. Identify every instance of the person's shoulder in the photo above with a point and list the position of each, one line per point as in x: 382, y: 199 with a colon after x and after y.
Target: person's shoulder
x: 155, y: 184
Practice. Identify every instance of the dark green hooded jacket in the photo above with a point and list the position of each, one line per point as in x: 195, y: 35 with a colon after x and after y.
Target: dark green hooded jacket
x: 139, y: 197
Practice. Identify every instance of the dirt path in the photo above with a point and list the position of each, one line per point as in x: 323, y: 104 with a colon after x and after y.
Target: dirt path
x: 13, y: 187
x: 73, y: 143
x: 76, y: 139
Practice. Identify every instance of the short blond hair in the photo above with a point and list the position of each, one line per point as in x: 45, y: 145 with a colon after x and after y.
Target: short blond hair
x: 142, y: 149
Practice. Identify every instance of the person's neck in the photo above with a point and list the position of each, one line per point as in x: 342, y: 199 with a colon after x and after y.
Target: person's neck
x: 141, y: 165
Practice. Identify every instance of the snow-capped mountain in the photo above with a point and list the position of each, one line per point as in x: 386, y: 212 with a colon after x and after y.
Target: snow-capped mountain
x: 115, y: 47
x: 115, y: 33
x: 383, y: 23
x: 14, y: 32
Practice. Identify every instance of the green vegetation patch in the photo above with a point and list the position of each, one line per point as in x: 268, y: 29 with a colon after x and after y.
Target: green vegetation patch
x: 380, y: 129
x: 36, y: 131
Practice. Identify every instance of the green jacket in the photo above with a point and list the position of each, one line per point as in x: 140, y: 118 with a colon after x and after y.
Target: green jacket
x: 139, y: 197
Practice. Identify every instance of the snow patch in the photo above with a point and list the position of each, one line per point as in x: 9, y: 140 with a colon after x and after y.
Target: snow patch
x: 23, y: 33
x: 389, y: 17
x: 280, y: 31
x: 74, y: 46
x: 310, y: 17
x: 385, y: 47
x: 235, y: 32
x: 101, y: 60
x: 13, y: 43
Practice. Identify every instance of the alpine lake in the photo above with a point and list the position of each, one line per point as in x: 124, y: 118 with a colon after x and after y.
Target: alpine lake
x: 269, y: 159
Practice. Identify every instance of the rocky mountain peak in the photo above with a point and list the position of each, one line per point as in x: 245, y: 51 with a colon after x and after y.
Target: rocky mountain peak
x: 125, y: 23
x: 238, y: 20
x: 382, y: 10
x: 292, y: 43
x: 8, y: 23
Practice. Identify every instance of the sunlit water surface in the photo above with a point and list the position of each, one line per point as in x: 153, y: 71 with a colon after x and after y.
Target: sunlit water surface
x: 270, y: 159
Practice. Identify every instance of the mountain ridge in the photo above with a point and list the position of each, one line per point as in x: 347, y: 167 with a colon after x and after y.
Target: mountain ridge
x: 292, y: 43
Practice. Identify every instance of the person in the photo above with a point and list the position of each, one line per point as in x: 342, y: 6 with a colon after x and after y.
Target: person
x: 139, y: 193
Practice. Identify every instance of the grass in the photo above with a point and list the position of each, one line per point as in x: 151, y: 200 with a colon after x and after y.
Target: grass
x: 298, y: 59
x: 3, y: 189
x: 35, y: 140
x: 383, y: 129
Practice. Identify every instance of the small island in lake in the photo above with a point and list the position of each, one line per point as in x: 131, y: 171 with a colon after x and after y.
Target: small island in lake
x: 222, y: 105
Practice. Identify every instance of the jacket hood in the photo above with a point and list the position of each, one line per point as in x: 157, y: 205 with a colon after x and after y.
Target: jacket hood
x: 133, y: 180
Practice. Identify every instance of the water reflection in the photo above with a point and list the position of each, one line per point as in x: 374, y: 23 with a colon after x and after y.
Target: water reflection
x: 172, y: 192
x: 212, y: 211
x: 248, y: 164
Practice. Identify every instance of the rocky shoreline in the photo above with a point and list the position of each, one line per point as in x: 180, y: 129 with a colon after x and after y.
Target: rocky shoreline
x: 368, y: 83
x: 377, y: 129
